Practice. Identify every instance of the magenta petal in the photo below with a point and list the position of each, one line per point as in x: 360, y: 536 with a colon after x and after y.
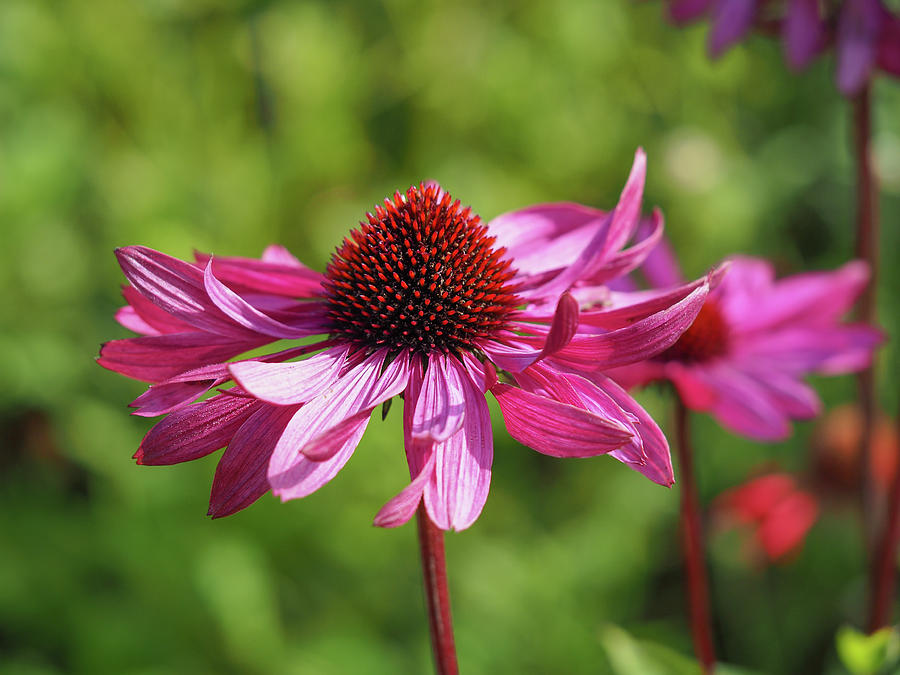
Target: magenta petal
x: 291, y: 473
x: 160, y: 399
x: 155, y: 358
x: 241, y: 473
x: 440, y: 405
x: 555, y: 428
x: 330, y: 442
x: 158, y: 320
x: 857, y: 36
x: 403, y: 506
x: 657, y: 464
x: 547, y: 237
x: 278, y: 273
x: 636, y: 342
x: 195, y: 431
x: 743, y: 405
x: 291, y: 383
x: 661, y: 267
x: 619, y: 264
x: 832, y: 351
x: 176, y: 287
x: 245, y: 314
x: 516, y: 358
x: 732, y: 19
x: 459, y: 488
x: 889, y: 44
x: 626, y: 215
x: 803, y: 32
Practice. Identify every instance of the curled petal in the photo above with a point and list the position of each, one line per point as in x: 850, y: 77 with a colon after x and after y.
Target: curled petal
x: 402, y: 506
x: 291, y: 383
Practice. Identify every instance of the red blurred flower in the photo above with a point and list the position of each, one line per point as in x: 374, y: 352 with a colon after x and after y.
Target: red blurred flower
x: 775, y: 509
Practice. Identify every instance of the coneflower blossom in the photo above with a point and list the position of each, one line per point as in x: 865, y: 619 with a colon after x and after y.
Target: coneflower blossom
x: 865, y: 33
x: 743, y: 360
x: 777, y: 511
x: 422, y: 301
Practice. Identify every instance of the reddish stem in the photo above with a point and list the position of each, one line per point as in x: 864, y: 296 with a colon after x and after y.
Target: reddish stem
x: 437, y: 595
x: 885, y: 565
x: 692, y: 533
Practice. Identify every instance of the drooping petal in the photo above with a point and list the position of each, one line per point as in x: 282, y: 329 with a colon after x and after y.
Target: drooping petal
x: 159, y: 321
x: 731, y: 21
x: 245, y: 314
x: 459, y: 488
x: 400, y: 508
x: 657, y: 464
x: 291, y: 383
x: 889, y: 44
x: 554, y: 428
x: 241, y: 473
x: 803, y: 32
x: 836, y: 350
x: 176, y: 287
x: 195, y: 431
x: 291, y: 473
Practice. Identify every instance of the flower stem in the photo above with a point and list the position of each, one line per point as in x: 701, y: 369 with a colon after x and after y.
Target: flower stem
x: 692, y: 533
x: 885, y: 563
x: 866, y: 249
x: 437, y: 595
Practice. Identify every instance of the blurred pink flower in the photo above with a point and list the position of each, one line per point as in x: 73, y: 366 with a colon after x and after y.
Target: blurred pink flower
x: 779, y: 513
x: 421, y: 302
x: 744, y: 358
x: 865, y: 33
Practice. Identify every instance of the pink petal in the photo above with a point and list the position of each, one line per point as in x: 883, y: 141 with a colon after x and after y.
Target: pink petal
x: 857, y: 35
x: 547, y: 237
x: 176, y: 287
x: 641, y: 340
x: 403, y: 506
x: 291, y: 383
x: 241, y: 473
x: 555, y: 428
x: 605, y: 241
x: 365, y: 386
x: 243, y: 313
x: 160, y: 399
x: 661, y: 267
x: 732, y: 19
x: 803, y: 32
x: 818, y: 298
x: 195, y: 431
x: 831, y: 351
x: 155, y: 358
x: 618, y: 264
x: 744, y: 406
x: 456, y: 494
x: 657, y: 464
x: 440, y: 405
x: 516, y: 357
x: 278, y: 272
x: 152, y: 319
x: 331, y: 441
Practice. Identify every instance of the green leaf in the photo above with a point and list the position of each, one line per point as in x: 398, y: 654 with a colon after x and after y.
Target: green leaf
x: 865, y: 654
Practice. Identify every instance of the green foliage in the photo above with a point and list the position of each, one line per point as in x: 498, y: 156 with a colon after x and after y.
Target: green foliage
x: 228, y: 125
x: 865, y: 654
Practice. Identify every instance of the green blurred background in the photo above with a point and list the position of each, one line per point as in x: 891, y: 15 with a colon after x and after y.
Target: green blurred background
x: 226, y: 126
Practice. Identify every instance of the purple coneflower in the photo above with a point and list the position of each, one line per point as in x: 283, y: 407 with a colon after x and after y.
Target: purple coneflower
x: 865, y: 33
x: 743, y: 360
x: 421, y: 301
